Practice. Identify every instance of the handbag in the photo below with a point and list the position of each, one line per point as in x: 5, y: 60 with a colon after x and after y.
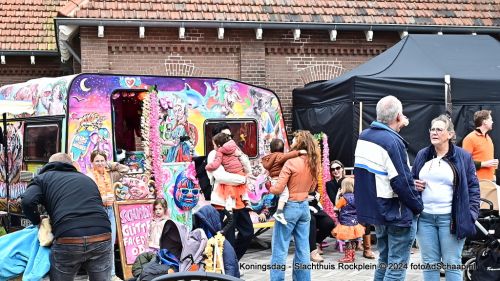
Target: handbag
x: 45, y: 235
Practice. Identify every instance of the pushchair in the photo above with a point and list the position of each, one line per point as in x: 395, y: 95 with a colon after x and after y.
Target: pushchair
x: 481, y: 253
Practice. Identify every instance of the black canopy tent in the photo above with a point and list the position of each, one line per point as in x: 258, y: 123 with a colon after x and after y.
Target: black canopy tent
x: 414, y: 71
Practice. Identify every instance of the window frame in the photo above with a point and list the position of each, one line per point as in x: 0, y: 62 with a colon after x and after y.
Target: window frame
x: 231, y: 121
x: 31, y: 124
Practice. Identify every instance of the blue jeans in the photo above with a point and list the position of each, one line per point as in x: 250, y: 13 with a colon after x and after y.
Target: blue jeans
x: 111, y: 216
x: 438, y: 244
x: 298, y: 218
x: 66, y: 260
x: 394, y: 245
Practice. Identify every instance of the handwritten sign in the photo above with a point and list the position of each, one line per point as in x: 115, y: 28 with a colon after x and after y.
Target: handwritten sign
x: 133, y: 219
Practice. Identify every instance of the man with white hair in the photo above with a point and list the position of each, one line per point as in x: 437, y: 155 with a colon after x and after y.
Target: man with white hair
x: 384, y: 191
x: 80, y: 225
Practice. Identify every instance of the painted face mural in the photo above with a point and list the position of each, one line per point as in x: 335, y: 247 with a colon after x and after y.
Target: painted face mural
x: 186, y: 192
x: 134, y: 188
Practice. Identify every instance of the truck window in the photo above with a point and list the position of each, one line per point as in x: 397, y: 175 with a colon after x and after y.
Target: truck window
x: 244, y: 133
x: 41, y: 141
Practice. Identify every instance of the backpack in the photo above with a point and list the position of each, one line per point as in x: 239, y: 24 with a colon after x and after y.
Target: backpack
x: 186, y: 246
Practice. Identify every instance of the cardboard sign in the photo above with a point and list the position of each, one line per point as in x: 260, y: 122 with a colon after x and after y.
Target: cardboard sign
x: 133, y: 219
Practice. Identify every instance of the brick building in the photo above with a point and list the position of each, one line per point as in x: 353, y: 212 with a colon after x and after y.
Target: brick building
x: 276, y: 44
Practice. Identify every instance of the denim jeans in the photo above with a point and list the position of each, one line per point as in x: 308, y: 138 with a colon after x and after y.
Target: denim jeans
x: 66, y: 260
x: 111, y: 216
x: 438, y: 244
x: 298, y: 218
x: 394, y: 245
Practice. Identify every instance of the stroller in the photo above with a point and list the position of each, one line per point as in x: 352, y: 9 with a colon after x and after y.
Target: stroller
x: 481, y: 253
x: 187, y: 247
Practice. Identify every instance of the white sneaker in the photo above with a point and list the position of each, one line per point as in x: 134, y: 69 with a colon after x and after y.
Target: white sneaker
x: 115, y: 278
x: 280, y: 217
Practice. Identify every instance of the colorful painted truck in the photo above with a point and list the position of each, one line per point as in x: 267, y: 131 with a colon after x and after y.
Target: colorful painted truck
x: 160, y: 123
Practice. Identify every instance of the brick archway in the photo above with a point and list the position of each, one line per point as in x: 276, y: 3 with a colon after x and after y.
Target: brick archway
x: 320, y: 72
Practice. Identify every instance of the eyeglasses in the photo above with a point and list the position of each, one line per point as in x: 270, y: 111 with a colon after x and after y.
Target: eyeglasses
x: 185, y: 191
x: 336, y: 168
x: 436, y: 130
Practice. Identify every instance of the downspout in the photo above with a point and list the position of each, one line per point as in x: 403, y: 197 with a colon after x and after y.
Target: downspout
x: 66, y: 32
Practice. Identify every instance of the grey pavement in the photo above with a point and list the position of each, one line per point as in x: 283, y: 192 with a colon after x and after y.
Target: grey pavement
x: 256, y: 257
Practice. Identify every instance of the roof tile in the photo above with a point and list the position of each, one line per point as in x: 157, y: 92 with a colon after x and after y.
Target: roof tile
x: 35, y: 17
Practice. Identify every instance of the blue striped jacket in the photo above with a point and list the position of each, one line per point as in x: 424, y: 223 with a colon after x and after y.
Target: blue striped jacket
x: 384, y: 190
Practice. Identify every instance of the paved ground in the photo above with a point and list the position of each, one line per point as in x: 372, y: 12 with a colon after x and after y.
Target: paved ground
x: 259, y: 256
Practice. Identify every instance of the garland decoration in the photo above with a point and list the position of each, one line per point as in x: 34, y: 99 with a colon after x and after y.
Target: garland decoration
x: 145, y: 121
x: 325, y: 200
x: 213, y: 253
x: 154, y: 141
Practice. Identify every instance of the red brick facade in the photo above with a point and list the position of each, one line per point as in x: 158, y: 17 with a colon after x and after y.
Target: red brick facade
x: 277, y: 62
x: 19, y: 69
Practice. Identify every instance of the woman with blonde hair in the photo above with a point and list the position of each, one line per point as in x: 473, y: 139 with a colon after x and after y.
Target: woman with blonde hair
x: 105, y: 174
x: 300, y: 175
x: 446, y: 176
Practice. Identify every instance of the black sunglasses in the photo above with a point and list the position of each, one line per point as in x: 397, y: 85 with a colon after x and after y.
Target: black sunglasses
x: 336, y: 168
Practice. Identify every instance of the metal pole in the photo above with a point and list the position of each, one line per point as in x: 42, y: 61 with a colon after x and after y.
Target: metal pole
x: 6, y: 162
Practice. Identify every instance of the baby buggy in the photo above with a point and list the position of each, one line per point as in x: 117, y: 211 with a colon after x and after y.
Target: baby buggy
x: 481, y: 254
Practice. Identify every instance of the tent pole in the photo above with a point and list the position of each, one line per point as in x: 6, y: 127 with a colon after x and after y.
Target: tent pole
x: 447, y: 94
x: 360, y: 117
x: 6, y: 162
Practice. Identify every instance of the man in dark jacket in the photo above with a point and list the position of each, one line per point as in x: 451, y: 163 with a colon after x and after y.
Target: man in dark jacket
x: 384, y: 190
x: 208, y: 219
x: 81, y: 228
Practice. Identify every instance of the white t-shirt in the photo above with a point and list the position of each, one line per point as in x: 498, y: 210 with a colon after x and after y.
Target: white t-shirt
x: 438, y: 193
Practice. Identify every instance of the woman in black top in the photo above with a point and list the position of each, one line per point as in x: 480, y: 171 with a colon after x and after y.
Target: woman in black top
x: 332, y: 187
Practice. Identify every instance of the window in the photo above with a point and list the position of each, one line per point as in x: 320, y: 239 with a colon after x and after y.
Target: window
x: 244, y: 133
x: 41, y: 141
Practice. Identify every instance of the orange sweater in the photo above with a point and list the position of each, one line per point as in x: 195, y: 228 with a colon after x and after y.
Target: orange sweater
x: 296, y: 175
x: 481, y: 148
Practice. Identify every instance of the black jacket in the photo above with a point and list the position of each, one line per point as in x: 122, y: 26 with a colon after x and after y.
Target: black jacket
x: 332, y: 187
x: 71, y: 199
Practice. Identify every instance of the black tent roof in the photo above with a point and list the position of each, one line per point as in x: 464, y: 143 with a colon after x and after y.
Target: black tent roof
x: 413, y: 70
x: 418, y: 63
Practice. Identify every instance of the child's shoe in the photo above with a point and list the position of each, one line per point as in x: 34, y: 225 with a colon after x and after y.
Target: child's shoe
x: 280, y: 217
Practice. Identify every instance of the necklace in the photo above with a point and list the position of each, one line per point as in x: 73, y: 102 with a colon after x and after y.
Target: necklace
x: 103, y: 181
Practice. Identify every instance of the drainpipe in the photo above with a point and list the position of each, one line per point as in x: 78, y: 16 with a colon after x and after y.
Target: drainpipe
x: 66, y: 32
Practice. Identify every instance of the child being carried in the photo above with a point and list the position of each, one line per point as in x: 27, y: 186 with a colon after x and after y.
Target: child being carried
x: 229, y: 155
x: 273, y: 163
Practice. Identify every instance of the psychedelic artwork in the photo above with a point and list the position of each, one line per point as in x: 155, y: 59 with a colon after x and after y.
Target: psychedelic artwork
x: 181, y: 191
x: 134, y: 187
x: 15, y: 158
x: 182, y: 106
x: 48, y: 95
x: 135, y: 161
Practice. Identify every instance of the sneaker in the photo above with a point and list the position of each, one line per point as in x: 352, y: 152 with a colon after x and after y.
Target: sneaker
x: 115, y: 278
x: 280, y: 217
x: 316, y: 257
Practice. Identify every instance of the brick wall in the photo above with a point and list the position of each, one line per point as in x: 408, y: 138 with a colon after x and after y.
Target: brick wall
x: 277, y: 62
x: 19, y: 69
